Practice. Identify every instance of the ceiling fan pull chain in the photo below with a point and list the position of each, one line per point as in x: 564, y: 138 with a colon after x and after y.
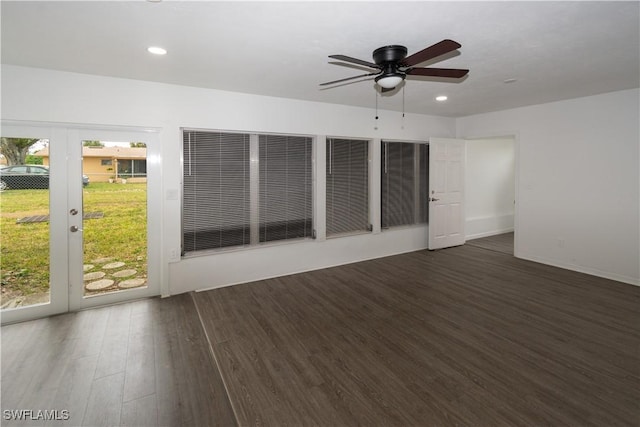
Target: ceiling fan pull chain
x: 403, y: 99
x: 403, y: 86
x: 376, y: 105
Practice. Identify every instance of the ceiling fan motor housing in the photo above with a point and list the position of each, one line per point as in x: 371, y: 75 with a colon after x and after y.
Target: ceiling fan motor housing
x: 387, y: 54
x: 388, y: 58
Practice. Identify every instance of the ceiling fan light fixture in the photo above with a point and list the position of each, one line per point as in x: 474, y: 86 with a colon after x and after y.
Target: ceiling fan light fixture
x: 389, y: 81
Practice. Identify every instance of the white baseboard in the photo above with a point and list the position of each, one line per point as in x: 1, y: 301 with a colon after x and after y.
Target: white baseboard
x: 476, y: 228
x: 582, y: 269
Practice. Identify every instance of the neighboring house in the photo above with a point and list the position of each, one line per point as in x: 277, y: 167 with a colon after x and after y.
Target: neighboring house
x: 104, y: 163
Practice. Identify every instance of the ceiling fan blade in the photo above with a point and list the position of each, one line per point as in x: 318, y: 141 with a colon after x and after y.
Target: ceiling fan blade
x: 454, y: 73
x: 348, y: 78
x: 445, y: 46
x: 354, y: 60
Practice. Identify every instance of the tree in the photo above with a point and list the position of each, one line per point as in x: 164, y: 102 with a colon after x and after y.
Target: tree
x: 93, y: 144
x: 15, y: 149
x: 137, y: 144
x: 33, y: 160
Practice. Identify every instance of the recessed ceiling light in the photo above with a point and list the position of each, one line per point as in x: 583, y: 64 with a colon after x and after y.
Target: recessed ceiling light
x: 441, y: 98
x: 157, y: 50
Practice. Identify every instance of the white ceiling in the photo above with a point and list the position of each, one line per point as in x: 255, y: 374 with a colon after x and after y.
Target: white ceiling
x: 555, y: 50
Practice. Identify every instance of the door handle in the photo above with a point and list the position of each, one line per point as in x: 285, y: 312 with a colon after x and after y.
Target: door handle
x: 74, y: 229
x: 433, y: 199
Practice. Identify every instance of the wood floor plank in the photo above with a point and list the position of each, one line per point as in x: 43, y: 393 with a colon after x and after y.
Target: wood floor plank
x: 141, y: 412
x: 499, y: 243
x: 140, y: 380
x: 146, y: 362
x: 202, y: 388
x: 462, y: 336
x: 74, y: 389
x: 104, y: 404
x: 115, y: 345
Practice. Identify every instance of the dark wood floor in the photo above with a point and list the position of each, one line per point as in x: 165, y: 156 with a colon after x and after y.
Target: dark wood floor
x: 144, y: 363
x: 462, y: 336
x: 499, y: 243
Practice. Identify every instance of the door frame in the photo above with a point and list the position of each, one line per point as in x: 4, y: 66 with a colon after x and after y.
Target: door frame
x: 65, y: 285
x: 515, y: 135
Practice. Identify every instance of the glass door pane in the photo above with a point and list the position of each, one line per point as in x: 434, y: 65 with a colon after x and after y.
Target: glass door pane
x: 24, y: 222
x: 114, y: 204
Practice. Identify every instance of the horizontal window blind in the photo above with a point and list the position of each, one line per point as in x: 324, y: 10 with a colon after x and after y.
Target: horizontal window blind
x: 215, y: 190
x: 423, y: 184
x: 243, y: 189
x: 347, y: 171
x: 285, y: 176
x: 404, y: 184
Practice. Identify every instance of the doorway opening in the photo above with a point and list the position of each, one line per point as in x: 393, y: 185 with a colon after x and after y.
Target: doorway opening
x: 491, y: 192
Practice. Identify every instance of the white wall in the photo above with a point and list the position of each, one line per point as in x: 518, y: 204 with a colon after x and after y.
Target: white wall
x: 578, y: 181
x: 489, y: 186
x: 577, y: 162
x: 43, y: 95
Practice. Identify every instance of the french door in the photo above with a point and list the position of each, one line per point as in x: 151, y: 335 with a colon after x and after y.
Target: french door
x: 84, y: 241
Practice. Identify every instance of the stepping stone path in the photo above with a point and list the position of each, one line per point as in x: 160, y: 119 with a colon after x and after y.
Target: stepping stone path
x: 94, y: 276
x: 113, y: 265
x: 99, y: 285
x: 100, y: 281
x: 131, y: 283
x: 124, y: 273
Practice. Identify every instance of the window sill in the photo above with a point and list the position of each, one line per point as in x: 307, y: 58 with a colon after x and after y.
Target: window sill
x: 231, y: 249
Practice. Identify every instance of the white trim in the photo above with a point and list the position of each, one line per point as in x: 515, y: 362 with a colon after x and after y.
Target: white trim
x: 489, y: 234
x: 582, y: 269
x: 488, y: 226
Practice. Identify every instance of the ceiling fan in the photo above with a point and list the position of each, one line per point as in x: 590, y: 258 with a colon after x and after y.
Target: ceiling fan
x: 392, y: 64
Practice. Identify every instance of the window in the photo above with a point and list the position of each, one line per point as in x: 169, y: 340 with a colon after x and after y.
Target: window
x: 215, y: 210
x: 405, y: 183
x: 347, y: 186
x: 106, y: 162
x: 242, y: 189
x: 132, y: 168
x: 285, y: 187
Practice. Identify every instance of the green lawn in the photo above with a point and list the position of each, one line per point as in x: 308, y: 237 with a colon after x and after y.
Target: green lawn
x: 120, y: 234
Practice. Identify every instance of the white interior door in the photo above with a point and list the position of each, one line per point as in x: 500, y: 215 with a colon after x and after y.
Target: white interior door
x: 446, y: 192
